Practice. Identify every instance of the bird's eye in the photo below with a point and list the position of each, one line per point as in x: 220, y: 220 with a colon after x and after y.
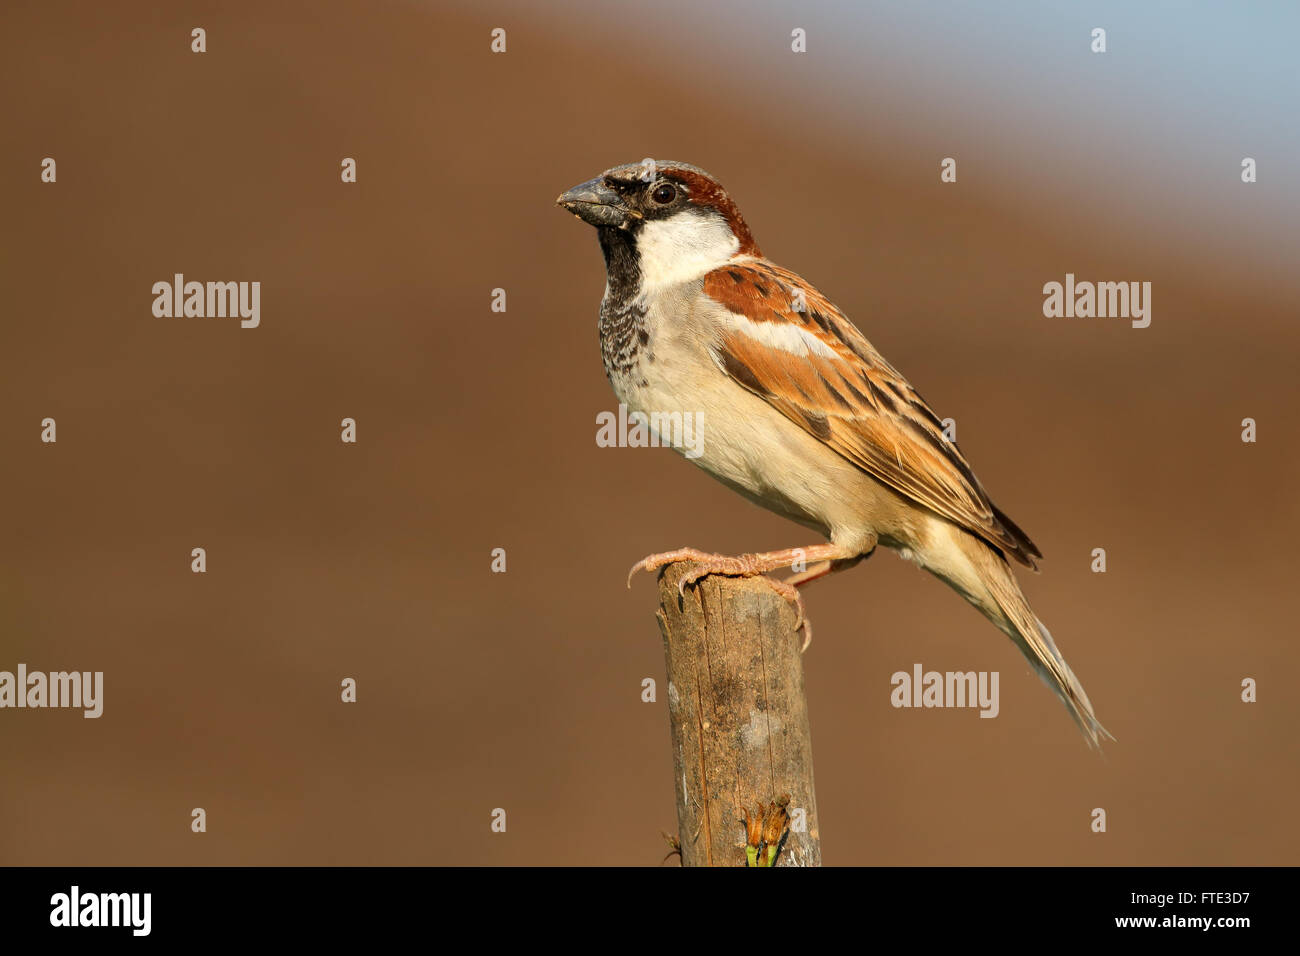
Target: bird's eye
x: 664, y: 193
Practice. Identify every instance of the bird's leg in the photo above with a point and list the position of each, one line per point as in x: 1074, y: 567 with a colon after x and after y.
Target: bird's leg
x: 740, y: 566
x: 818, y: 570
x: 824, y: 569
x: 751, y: 565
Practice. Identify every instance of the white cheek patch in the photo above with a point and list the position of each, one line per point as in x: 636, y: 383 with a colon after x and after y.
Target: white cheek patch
x: 782, y: 335
x: 683, y: 247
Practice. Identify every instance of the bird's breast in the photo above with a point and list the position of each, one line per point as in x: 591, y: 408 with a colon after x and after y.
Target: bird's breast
x: 658, y: 360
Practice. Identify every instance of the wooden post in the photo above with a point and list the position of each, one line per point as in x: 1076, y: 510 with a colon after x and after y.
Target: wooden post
x: 740, y: 734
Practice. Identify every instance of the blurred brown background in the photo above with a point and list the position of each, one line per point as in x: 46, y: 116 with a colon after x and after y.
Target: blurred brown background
x: 476, y: 430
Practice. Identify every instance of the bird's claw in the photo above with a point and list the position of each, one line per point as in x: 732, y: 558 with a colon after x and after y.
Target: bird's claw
x: 743, y: 566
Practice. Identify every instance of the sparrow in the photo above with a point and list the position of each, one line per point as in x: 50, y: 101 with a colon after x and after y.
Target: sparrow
x: 797, y: 410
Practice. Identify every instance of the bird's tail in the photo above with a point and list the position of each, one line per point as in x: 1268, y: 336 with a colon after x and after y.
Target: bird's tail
x: 1005, y: 605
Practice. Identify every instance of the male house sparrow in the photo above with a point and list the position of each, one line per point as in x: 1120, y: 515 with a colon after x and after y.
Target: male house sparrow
x: 800, y: 413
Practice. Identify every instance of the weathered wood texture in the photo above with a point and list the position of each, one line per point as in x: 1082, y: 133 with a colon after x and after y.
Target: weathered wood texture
x: 739, y: 717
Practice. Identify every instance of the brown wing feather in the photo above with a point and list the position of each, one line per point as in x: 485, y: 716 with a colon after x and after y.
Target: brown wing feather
x: 849, y: 397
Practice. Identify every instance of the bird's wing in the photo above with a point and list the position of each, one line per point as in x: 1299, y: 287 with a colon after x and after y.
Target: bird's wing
x: 787, y: 343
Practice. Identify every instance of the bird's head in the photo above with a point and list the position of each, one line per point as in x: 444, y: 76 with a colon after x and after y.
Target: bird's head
x: 676, y: 218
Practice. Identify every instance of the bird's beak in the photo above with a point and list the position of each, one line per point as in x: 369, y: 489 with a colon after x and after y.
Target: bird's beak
x: 595, y: 203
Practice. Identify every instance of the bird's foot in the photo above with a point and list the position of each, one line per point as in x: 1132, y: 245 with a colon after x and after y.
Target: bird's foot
x: 741, y: 566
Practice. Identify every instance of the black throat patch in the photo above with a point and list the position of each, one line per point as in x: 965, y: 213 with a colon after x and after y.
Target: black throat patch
x: 622, y: 324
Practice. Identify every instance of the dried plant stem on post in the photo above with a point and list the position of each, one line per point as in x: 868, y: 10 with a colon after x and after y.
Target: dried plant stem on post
x: 741, y: 740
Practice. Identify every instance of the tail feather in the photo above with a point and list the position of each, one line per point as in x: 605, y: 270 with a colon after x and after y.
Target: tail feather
x: 1057, y: 675
x: 1005, y: 605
